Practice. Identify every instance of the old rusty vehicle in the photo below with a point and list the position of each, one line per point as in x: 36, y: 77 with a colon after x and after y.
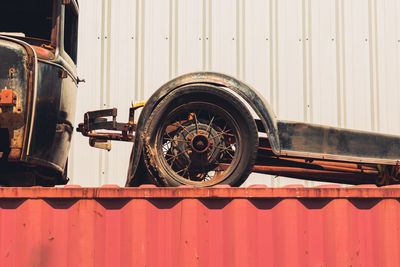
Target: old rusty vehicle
x: 197, y: 129
x: 38, y: 83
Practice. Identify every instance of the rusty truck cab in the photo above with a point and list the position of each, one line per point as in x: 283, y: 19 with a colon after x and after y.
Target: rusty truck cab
x: 38, y: 83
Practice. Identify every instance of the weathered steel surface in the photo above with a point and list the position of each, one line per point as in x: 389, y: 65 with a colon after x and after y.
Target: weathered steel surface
x: 99, y: 120
x: 332, y: 143
x: 16, y: 74
x: 38, y: 83
x: 186, y: 226
x: 323, y: 170
x: 54, y: 116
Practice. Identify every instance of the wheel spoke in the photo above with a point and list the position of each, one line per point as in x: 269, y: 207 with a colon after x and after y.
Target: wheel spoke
x: 180, y: 153
x: 229, y: 153
x: 173, y: 161
x: 211, y: 156
x: 221, y: 134
x: 209, y: 126
x: 196, y: 122
x: 225, y: 149
x: 185, y: 170
x: 176, y: 139
x: 183, y: 127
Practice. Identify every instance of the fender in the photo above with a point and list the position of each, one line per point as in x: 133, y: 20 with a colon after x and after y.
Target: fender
x: 249, y: 94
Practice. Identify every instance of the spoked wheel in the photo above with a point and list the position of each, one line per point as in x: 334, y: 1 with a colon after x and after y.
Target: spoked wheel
x: 200, y: 135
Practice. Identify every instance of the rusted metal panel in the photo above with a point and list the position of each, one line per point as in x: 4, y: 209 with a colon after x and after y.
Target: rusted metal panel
x: 16, y: 76
x: 187, y: 226
x: 313, y: 140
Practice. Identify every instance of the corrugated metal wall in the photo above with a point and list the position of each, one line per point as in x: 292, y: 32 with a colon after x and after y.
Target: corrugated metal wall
x: 227, y: 227
x: 334, y: 62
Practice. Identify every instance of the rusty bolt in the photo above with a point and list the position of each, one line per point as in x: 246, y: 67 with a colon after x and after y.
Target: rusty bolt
x: 11, y: 72
x: 63, y: 74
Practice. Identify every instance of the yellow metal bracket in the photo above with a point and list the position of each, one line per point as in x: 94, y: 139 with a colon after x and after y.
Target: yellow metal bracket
x: 136, y: 105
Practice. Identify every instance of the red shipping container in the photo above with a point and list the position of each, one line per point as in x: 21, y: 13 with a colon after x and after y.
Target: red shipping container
x: 186, y: 226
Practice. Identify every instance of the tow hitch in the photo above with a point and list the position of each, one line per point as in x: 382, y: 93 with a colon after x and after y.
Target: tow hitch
x: 107, y: 120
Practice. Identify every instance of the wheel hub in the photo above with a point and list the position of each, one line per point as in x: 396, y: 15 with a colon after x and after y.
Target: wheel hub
x: 200, y: 143
x: 200, y: 148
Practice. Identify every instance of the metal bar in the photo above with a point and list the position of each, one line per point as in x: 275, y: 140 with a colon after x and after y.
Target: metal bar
x: 101, y: 113
x: 318, y: 175
x: 112, y: 136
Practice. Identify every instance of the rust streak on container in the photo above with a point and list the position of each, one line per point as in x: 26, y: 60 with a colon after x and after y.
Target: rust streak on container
x: 150, y: 192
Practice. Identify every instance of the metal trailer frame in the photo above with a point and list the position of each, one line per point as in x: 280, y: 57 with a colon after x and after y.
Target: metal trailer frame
x: 293, y: 149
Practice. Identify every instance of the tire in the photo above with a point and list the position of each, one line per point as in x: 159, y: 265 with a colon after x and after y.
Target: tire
x: 200, y: 135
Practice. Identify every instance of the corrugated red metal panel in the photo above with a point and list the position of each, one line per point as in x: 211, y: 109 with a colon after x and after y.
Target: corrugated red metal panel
x: 148, y: 226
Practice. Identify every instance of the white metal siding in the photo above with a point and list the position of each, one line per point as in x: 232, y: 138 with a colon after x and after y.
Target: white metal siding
x: 334, y: 62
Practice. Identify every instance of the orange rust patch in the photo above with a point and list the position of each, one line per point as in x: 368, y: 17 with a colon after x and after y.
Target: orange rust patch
x: 7, y: 97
